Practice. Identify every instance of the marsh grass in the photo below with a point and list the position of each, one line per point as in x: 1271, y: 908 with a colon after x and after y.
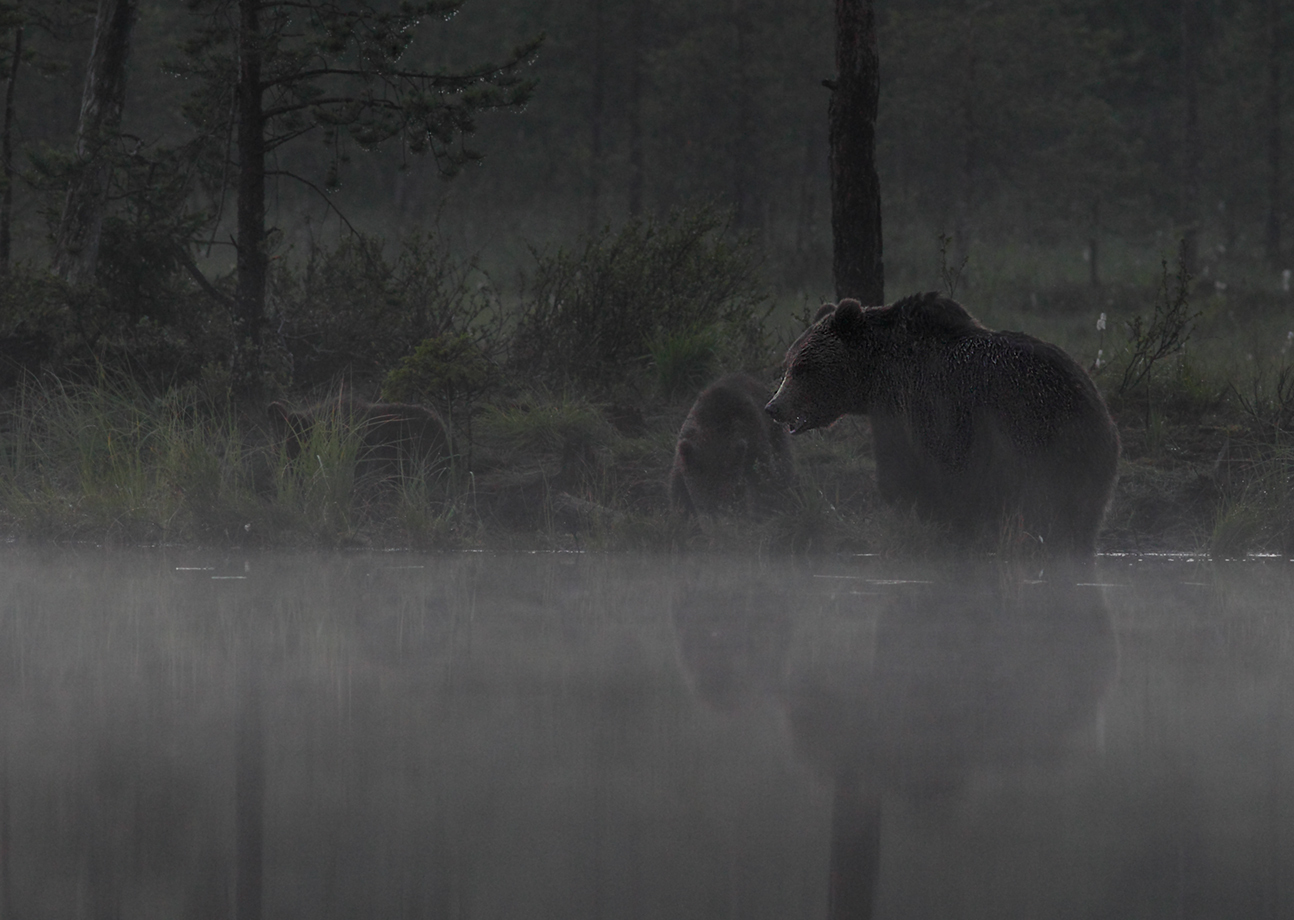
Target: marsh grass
x: 318, y: 491
x: 1237, y: 530
x: 107, y: 460
x: 334, y: 492
x: 1256, y: 510
x: 570, y: 428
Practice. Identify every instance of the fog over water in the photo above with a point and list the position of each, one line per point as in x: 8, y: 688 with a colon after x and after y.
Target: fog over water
x: 574, y: 735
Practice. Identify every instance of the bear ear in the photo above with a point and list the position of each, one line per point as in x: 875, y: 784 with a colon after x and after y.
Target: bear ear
x: 687, y: 450
x: 825, y: 310
x: 848, y: 316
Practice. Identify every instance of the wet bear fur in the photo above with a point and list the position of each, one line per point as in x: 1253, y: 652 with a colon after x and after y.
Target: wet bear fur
x: 984, y: 431
x: 395, y: 439
x: 730, y: 454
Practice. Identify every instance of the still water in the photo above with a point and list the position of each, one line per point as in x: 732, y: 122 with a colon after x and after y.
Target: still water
x: 580, y: 736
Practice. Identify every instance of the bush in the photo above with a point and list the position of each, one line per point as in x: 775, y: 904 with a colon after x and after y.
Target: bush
x: 571, y: 430
x: 1152, y: 341
x: 350, y: 312
x: 35, y: 323
x: 590, y: 318
x: 685, y: 363
x: 451, y: 372
x: 160, y: 335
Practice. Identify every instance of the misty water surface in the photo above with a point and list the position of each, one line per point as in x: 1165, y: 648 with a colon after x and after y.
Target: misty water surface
x: 561, y: 736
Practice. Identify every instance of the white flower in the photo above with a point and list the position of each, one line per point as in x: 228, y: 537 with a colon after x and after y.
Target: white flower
x: 1100, y: 323
x: 1099, y: 353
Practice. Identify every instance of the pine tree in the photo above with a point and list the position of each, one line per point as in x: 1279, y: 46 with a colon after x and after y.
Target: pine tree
x: 76, y: 241
x: 272, y: 73
x: 855, y: 186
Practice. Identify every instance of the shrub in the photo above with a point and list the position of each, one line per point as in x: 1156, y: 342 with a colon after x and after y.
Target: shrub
x: 450, y: 371
x: 35, y: 322
x: 1162, y: 336
x: 350, y: 312
x: 571, y: 430
x: 589, y: 318
x: 685, y: 362
x: 160, y: 334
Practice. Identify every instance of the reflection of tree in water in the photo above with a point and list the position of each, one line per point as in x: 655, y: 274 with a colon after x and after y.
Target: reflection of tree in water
x: 947, y: 681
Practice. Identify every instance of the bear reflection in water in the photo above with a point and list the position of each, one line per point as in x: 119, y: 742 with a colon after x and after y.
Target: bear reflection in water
x: 941, y: 683
x: 962, y: 679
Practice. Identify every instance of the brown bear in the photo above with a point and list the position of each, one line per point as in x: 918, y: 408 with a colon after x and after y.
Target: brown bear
x: 730, y: 455
x: 984, y: 431
x: 394, y: 438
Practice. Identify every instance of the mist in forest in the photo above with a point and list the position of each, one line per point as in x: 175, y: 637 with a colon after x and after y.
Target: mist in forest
x: 1070, y: 143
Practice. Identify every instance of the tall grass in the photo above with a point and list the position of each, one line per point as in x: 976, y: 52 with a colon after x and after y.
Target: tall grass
x: 107, y: 460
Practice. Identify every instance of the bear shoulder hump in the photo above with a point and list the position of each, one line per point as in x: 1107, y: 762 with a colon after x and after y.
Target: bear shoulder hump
x: 933, y: 314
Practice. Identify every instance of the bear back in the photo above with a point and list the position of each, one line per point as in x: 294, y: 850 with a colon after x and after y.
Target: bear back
x: 925, y: 316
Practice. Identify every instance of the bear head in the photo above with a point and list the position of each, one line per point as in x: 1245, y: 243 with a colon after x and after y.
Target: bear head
x: 850, y: 360
x: 822, y: 379
x: 713, y: 468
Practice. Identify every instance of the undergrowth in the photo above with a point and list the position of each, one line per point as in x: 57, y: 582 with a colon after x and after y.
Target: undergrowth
x: 541, y: 456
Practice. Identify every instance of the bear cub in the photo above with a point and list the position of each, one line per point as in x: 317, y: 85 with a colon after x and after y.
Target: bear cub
x: 730, y: 456
x: 984, y: 431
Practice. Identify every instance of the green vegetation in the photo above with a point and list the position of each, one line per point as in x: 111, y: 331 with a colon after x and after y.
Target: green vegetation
x: 589, y: 318
x: 652, y: 209
x: 559, y: 444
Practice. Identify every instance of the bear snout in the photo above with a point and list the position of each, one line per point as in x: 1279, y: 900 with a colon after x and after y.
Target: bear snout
x: 783, y: 411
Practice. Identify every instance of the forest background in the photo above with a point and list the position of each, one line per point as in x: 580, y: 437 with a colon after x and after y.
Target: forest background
x: 1030, y: 131
x: 1042, y: 160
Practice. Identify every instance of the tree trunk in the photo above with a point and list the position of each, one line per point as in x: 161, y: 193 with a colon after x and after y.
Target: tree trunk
x: 597, y: 114
x: 855, y: 850
x: 1190, y: 196
x: 6, y: 154
x: 76, y: 241
x: 742, y: 145
x: 855, y: 186
x: 253, y: 260
x: 637, y: 49
x: 970, y: 152
x: 249, y: 791
x: 1094, y: 245
x: 1273, y: 234
x: 806, y: 212
x: 6, y: 851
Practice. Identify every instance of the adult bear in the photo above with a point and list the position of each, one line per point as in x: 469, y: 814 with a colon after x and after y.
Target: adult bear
x: 394, y: 439
x: 981, y: 430
x: 730, y: 455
